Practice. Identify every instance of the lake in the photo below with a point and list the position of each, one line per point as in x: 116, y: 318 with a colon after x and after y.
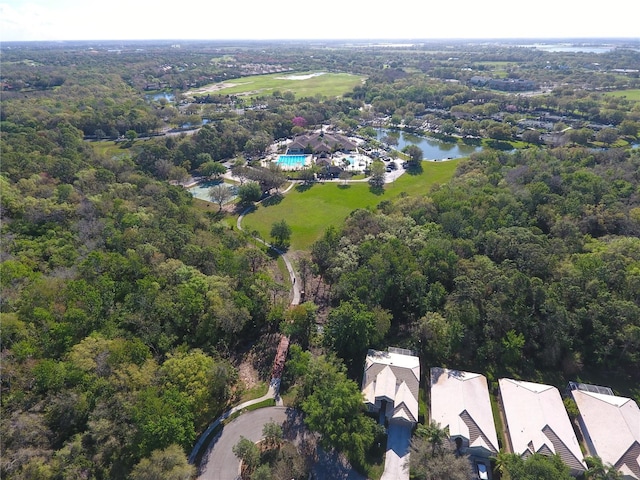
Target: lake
x: 432, y: 148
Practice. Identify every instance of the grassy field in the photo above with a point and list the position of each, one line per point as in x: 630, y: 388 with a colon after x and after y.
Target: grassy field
x: 310, y: 211
x: 633, y: 95
x: 303, y: 84
x: 109, y: 148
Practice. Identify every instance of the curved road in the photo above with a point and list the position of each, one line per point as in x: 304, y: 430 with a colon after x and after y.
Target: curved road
x: 221, y: 463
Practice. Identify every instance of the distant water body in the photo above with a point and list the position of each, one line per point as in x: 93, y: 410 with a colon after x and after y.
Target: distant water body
x: 570, y: 47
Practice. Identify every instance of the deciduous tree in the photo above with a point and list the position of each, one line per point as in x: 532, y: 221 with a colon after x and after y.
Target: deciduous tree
x: 281, y: 233
x: 220, y: 194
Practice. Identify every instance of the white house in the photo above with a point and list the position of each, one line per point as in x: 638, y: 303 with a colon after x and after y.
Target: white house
x: 460, y: 402
x: 390, y: 384
x: 611, y: 429
x: 538, y: 422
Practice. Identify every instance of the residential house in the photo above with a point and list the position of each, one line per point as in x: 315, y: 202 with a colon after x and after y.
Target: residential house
x: 537, y: 422
x: 610, y: 426
x: 390, y: 385
x: 460, y: 403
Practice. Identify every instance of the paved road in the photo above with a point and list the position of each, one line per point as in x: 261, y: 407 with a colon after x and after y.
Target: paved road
x: 274, y: 388
x: 219, y: 462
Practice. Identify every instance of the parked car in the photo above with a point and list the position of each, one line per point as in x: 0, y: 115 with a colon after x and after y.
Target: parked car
x: 483, y: 474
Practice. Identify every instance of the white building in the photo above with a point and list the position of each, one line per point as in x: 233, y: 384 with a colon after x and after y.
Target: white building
x: 390, y: 384
x: 538, y: 422
x: 611, y: 429
x: 460, y: 402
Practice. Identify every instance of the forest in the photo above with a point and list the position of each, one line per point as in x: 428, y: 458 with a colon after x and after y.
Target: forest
x: 128, y: 306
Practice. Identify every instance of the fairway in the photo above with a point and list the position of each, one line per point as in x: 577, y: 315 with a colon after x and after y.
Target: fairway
x: 301, y: 84
x: 309, y: 212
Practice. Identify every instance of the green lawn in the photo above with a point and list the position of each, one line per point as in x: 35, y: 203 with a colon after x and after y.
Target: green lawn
x: 109, y: 148
x: 633, y: 94
x: 310, y: 211
x: 327, y: 84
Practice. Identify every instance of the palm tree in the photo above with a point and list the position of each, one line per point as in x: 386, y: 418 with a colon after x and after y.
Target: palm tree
x: 599, y: 471
x: 502, y: 462
x: 433, y: 434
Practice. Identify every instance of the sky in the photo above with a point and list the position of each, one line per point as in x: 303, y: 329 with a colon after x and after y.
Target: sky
x: 31, y: 20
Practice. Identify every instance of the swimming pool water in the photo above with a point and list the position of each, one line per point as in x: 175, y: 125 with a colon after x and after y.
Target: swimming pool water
x: 291, y: 160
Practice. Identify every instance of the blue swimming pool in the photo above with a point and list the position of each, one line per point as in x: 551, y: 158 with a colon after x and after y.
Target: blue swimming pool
x: 292, y: 160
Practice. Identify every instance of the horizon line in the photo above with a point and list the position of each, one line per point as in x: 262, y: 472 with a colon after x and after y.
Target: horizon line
x: 346, y: 39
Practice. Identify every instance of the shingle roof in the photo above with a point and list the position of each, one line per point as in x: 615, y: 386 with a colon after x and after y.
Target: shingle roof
x: 394, y: 377
x: 613, y: 425
x: 460, y: 401
x: 322, y: 142
x: 538, y: 421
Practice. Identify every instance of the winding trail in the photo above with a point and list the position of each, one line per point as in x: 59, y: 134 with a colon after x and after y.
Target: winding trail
x: 292, y: 273
x: 274, y: 384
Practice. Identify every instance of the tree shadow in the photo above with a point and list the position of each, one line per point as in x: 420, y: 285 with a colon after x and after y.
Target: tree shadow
x: 472, y: 141
x: 208, y: 443
x: 244, y: 207
x: 272, y: 200
x: 276, y: 250
x: 376, y: 190
x: 500, y: 145
x: 303, y: 187
x: 414, y: 169
x: 217, y: 215
x: 344, y: 186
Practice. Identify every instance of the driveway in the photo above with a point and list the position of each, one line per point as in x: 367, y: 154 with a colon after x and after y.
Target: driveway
x: 219, y: 462
x: 398, y: 439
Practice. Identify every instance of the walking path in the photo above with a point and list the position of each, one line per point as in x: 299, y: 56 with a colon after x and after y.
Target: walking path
x: 222, y: 464
x: 274, y: 385
x: 292, y: 273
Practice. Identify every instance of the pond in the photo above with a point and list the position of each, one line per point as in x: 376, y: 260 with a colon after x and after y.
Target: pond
x: 432, y: 148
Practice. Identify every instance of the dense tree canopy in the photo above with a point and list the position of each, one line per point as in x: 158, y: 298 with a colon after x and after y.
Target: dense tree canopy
x: 124, y: 302
x: 523, y: 262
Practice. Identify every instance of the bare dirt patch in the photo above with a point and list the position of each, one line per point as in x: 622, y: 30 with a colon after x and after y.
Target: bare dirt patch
x: 210, y: 88
x: 247, y: 373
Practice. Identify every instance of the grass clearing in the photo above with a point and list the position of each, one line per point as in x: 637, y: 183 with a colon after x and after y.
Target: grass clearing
x: 110, y: 149
x: 309, y: 211
x: 301, y: 84
x: 256, y: 392
x: 633, y: 94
